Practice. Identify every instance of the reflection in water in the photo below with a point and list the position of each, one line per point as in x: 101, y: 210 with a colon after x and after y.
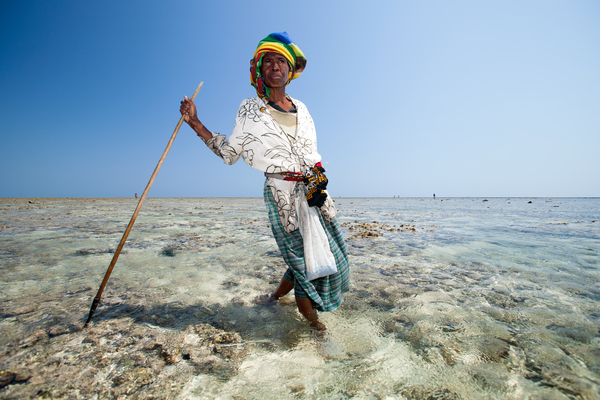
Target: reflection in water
x: 450, y: 299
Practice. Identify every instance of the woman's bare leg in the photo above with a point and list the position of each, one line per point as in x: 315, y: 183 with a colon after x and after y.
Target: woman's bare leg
x: 306, y: 308
x: 284, y: 288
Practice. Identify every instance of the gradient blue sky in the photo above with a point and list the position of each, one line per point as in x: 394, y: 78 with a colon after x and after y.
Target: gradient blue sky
x: 410, y: 98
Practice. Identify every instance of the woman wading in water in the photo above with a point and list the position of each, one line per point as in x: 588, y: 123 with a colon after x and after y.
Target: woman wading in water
x: 275, y: 134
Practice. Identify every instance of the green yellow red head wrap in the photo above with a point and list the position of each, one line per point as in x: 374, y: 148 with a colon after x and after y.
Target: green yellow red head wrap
x: 277, y: 43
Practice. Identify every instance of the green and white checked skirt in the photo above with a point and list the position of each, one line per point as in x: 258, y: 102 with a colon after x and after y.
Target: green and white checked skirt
x: 325, y: 293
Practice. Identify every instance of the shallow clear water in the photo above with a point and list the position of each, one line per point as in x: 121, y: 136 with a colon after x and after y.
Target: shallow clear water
x: 454, y: 298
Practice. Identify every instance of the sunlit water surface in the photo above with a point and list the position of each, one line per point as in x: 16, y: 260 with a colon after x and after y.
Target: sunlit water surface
x: 454, y: 298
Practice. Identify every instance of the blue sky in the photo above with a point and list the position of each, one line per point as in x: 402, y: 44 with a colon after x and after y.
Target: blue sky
x: 410, y: 98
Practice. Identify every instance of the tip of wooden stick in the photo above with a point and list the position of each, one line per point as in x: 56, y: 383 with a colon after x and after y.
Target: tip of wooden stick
x: 197, y: 90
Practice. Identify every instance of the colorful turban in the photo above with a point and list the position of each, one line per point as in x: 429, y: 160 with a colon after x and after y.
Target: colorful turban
x: 277, y: 43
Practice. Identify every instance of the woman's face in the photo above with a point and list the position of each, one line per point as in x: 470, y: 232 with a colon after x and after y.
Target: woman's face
x: 275, y: 70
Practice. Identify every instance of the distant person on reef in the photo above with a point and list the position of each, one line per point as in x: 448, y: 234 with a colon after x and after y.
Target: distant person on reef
x: 275, y: 134
x: 136, y: 195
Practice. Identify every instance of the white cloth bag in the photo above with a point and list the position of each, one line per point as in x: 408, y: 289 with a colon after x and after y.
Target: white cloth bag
x: 318, y: 257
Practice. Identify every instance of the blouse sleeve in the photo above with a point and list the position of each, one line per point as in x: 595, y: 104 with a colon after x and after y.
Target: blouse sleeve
x: 229, y: 150
x: 219, y: 145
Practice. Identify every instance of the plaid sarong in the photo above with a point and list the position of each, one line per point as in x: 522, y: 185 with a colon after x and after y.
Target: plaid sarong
x: 325, y: 293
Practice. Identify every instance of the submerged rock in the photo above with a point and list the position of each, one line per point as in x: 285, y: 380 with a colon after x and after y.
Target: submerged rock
x: 169, y: 252
x: 13, y: 377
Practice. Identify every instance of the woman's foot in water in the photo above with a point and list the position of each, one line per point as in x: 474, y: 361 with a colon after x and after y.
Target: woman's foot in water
x: 318, y: 325
x: 268, y: 298
x: 284, y: 288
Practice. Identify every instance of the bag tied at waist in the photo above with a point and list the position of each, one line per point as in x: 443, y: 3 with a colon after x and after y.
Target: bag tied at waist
x: 318, y: 257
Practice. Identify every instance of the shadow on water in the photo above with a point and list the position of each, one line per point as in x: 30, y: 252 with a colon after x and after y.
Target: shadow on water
x: 269, y: 326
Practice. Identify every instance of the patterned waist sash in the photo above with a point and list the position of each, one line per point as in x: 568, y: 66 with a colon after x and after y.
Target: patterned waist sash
x: 286, y: 176
x: 297, y: 176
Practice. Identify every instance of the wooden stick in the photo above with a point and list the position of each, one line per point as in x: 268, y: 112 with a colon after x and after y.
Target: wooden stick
x: 135, y: 214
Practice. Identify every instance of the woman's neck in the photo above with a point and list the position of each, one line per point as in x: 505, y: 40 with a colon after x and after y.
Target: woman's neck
x: 278, y: 97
